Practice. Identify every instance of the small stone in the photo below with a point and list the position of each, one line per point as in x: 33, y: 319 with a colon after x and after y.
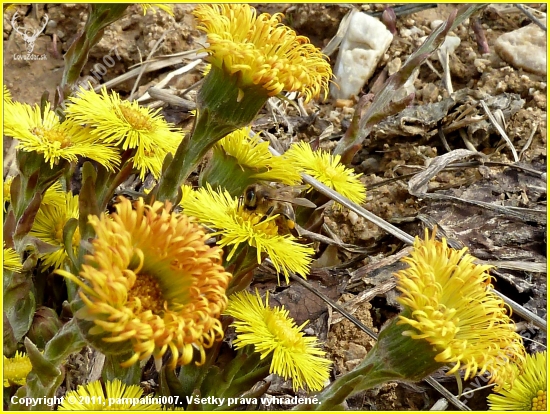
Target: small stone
x: 524, y: 48
x: 353, y: 218
x: 350, y: 365
x: 450, y: 44
x: 364, y: 44
x: 393, y: 66
x: 344, y: 103
x: 355, y: 351
x: 430, y: 93
x: 436, y: 23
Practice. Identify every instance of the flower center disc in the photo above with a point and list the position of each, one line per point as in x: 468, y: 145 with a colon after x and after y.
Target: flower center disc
x: 135, y: 118
x: 147, y: 290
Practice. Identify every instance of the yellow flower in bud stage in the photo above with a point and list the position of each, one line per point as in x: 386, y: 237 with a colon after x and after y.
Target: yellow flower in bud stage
x: 529, y: 391
x: 151, y: 284
x: 57, y: 208
x: 448, y: 304
x: 236, y: 225
x: 327, y: 169
x: 262, y: 51
x: 272, y: 331
x: 12, y: 260
x: 54, y: 139
x: 127, y: 125
x: 116, y: 397
x: 16, y: 369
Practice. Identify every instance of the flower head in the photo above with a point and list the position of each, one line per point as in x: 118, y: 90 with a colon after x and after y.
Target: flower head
x: 117, y: 397
x: 448, y: 304
x: 12, y: 260
x: 57, y: 208
x: 54, y: 139
x: 327, y: 169
x: 151, y: 284
x: 127, y: 125
x: 262, y: 51
x: 529, y: 391
x: 254, y: 157
x: 236, y: 225
x: 16, y: 369
x: 272, y: 331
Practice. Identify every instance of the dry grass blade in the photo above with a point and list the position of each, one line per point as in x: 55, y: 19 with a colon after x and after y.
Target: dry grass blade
x: 333, y: 44
x: 500, y: 130
x: 531, y: 17
x: 151, y: 67
x: 146, y: 63
x: 170, y: 98
x: 170, y: 76
x: 524, y: 313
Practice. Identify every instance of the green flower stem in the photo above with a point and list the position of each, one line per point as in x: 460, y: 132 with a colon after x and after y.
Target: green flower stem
x: 395, y: 357
x: 222, y: 107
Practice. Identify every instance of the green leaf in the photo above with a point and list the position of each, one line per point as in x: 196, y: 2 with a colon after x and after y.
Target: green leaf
x: 19, y: 302
x: 67, y: 341
x: 43, y: 380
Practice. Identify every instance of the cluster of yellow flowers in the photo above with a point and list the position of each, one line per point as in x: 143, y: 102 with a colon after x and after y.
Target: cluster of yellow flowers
x: 155, y: 281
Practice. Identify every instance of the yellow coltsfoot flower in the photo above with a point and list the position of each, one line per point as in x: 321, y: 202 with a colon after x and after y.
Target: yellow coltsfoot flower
x: 274, y: 334
x: 262, y: 51
x: 150, y: 285
x: 116, y: 397
x: 237, y: 226
x: 448, y: 304
x: 128, y: 126
x: 450, y: 317
x: 240, y: 160
x: 327, y: 169
x: 57, y: 208
x: 529, y: 390
x: 16, y: 369
x: 55, y: 140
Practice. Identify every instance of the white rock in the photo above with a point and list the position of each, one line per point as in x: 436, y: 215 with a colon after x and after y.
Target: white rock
x: 364, y: 43
x: 450, y: 44
x: 436, y: 23
x: 524, y: 48
x: 353, y: 218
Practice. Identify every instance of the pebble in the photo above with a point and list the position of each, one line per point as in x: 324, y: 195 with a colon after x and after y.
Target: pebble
x: 353, y: 218
x: 355, y: 351
x: 364, y: 43
x: 524, y: 48
x: 436, y: 23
